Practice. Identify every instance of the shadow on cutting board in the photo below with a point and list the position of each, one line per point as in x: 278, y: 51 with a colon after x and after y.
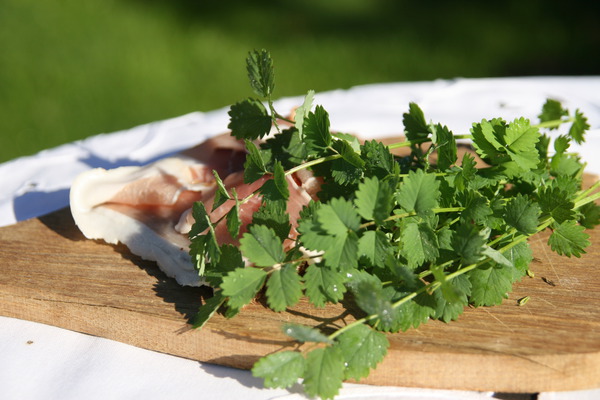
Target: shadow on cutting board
x: 185, y: 299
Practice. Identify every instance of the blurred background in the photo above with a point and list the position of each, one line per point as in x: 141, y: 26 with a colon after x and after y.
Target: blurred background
x: 74, y: 68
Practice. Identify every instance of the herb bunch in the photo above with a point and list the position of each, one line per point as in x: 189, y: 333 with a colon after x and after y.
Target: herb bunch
x: 403, y: 238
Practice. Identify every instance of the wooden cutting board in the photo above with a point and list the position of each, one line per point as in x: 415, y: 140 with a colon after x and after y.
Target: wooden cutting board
x: 51, y: 274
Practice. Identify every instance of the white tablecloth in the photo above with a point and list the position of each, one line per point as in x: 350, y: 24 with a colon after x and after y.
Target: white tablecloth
x: 43, y: 362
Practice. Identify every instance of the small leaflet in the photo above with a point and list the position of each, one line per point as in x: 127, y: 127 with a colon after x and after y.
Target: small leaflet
x: 419, y: 192
x: 569, y: 239
x: 259, y: 66
x: 415, y: 125
x: 316, y: 131
x: 284, y: 288
x: 552, y: 110
x: 207, y: 310
x: 579, y: 127
x: 254, y: 167
x: 324, y: 372
x: 522, y: 214
x: 241, y: 286
x: 262, y: 246
x: 303, y: 333
x: 248, y: 119
x: 324, y: 285
x: 374, y: 200
x: 362, y: 348
x: 280, y: 370
x: 490, y: 284
x: 303, y: 110
x: 445, y: 143
x: 221, y: 195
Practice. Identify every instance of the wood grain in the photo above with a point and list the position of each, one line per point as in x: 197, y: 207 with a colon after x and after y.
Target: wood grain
x: 51, y: 274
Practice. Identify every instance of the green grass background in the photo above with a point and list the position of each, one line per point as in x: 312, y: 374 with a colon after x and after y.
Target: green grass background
x: 74, y: 68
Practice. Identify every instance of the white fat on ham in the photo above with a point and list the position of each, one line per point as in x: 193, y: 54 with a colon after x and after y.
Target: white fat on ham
x: 139, y: 207
x: 148, y: 208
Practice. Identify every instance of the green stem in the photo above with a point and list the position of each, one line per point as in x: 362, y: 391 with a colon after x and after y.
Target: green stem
x: 311, y: 163
x: 586, y: 200
x: 413, y: 213
x: 554, y: 123
x: 584, y: 195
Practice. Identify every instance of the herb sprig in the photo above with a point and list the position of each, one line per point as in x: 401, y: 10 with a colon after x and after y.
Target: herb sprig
x: 403, y: 238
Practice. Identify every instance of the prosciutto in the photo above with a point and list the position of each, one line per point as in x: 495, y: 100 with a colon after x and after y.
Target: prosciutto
x: 148, y: 208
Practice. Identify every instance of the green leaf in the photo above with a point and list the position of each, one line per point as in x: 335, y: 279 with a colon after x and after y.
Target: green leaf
x: 324, y: 285
x: 579, y: 127
x: 449, y: 292
x: 338, y: 217
x: 590, y: 215
x: 260, y: 72
x: 280, y: 180
x: 374, y: 200
x: 562, y: 144
x: 497, y: 257
x: 198, y: 253
x: 221, y: 195
x: 303, y: 110
x: 447, y: 310
x: 468, y: 243
x: 415, y: 125
x: 255, y: 164
x: 565, y: 165
x: 207, y: 310
x: 369, y: 297
x: 242, y: 285
x: 303, y: 334
x: 316, y: 130
x: 262, y: 246
x: 445, y: 143
x: 368, y: 294
x: 324, y: 372
x: 345, y: 173
x: 379, y: 161
x: 375, y: 246
x: 466, y: 173
x: 312, y: 234
x: 285, y: 147
x: 280, y: 370
x: 274, y: 215
x: 476, y: 207
x: 557, y: 204
x: 233, y: 217
x: 552, y: 110
x: 485, y: 139
x: 362, y: 348
x: 520, y: 140
x: 212, y: 245
x: 351, y: 140
x: 569, y: 239
x: 490, y: 284
x: 248, y: 119
x: 414, y: 313
x: 419, y: 192
x: 201, y: 220
x: 420, y: 244
x: 522, y: 214
x: 344, y: 149
x: 520, y: 257
x: 284, y: 288
x: 229, y: 261
x: 343, y: 254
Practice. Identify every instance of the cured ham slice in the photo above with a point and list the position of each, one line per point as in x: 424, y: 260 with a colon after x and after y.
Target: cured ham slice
x: 148, y: 208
